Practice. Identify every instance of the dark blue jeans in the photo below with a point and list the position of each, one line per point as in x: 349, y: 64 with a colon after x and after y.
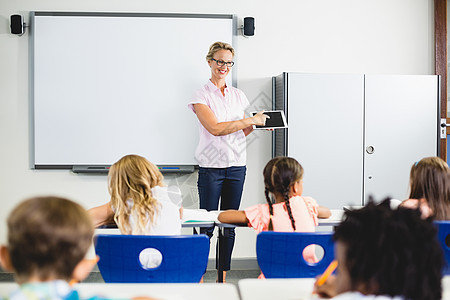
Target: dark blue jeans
x: 225, y: 184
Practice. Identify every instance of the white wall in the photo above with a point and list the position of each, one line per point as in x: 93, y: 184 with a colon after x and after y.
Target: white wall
x: 328, y: 36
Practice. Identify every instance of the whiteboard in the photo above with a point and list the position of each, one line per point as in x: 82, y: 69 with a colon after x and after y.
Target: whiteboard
x: 104, y: 85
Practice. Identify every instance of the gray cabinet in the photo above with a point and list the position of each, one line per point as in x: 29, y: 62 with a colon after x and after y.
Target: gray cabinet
x: 357, y: 135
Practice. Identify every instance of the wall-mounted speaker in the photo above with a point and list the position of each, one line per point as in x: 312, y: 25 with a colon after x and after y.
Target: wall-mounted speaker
x: 249, y: 26
x: 17, y: 25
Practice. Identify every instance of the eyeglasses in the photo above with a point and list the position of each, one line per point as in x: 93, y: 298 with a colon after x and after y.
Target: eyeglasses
x: 221, y: 63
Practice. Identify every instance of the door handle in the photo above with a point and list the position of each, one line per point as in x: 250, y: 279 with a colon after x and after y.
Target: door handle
x: 370, y: 149
x: 443, y: 129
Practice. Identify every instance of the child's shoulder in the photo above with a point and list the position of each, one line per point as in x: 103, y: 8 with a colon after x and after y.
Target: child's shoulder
x: 304, y: 199
x: 50, y: 290
x: 57, y: 289
x: 425, y: 209
x: 170, y: 194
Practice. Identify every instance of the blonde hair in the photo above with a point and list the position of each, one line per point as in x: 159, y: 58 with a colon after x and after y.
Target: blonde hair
x: 132, y: 179
x: 48, y: 237
x: 430, y: 179
x: 218, y: 46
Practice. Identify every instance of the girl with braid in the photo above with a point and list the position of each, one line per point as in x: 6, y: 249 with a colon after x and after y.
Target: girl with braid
x: 286, y: 209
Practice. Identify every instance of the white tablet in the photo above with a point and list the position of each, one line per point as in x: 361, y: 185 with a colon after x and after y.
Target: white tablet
x: 277, y: 120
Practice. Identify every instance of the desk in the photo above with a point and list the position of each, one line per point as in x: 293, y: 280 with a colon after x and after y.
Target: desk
x: 197, y: 224
x: 269, y: 289
x: 446, y: 288
x: 112, y: 228
x: 298, y: 289
x: 334, y: 219
x: 161, y: 291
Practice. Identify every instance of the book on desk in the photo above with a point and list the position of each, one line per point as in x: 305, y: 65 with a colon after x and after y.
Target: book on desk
x: 199, y: 215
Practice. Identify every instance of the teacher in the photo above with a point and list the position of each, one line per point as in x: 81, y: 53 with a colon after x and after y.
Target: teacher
x: 221, y: 151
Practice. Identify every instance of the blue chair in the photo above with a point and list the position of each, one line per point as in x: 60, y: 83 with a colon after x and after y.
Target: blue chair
x: 184, y: 258
x: 279, y: 254
x: 443, y: 232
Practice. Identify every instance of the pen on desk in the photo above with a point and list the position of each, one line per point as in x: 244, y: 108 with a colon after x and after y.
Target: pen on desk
x: 330, y: 269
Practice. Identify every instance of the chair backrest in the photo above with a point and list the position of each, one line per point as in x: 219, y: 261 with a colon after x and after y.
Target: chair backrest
x: 280, y: 254
x: 184, y: 258
x: 444, y: 232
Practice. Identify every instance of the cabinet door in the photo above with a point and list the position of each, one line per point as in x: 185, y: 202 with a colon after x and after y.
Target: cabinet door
x: 325, y: 119
x: 401, y: 126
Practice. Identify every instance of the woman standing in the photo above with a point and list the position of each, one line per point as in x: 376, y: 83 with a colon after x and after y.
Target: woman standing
x: 221, y: 152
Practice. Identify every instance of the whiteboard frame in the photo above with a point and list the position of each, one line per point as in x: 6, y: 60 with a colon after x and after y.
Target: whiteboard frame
x: 33, y: 161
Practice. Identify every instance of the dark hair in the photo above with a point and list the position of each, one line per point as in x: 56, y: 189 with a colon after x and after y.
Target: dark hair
x: 48, y: 237
x: 280, y: 173
x: 430, y: 179
x: 391, y: 252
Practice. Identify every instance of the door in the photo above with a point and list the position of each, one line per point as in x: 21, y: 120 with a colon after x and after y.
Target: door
x: 401, y: 127
x: 325, y: 134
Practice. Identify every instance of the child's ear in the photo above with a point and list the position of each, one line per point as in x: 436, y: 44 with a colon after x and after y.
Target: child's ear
x: 297, y: 188
x: 83, y: 268
x: 5, y: 259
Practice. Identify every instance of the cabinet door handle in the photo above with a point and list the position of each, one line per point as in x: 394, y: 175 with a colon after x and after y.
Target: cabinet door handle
x: 370, y: 149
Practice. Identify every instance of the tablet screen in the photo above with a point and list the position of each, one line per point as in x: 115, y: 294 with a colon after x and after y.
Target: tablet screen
x: 277, y: 120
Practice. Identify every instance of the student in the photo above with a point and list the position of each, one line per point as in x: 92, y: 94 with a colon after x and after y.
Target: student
x: 283, y: 179
x: 48, y: 238
x: 385, y: 253
x: 140, y: 203
x: 430, y: 188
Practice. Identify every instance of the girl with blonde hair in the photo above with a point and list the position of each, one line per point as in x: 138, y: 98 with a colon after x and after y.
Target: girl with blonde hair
x: 140, y: 203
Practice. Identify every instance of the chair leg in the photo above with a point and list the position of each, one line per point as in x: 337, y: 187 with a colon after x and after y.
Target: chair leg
x: 220, y: 272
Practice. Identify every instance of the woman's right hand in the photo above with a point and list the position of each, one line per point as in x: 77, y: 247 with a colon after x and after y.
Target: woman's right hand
x: 260, y: 118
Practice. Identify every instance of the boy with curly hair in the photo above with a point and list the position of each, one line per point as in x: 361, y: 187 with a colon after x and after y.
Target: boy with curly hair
x: 385, y: 253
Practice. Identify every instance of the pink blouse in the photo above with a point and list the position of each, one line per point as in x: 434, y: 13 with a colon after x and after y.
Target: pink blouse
x: 227, y: 150
x: 304, y: 211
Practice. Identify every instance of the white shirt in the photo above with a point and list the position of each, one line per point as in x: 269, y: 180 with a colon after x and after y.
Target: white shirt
x: 167, y: 221
x: 221, y: 151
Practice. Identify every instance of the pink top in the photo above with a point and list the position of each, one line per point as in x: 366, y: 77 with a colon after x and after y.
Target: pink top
x: 304, y: 211
x: 221, y: 151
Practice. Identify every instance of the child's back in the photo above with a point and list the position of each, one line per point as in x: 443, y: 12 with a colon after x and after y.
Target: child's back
x: 304, y: 211
x: 286, y: 209
x: 167, y: 221
x: 283, y: 180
